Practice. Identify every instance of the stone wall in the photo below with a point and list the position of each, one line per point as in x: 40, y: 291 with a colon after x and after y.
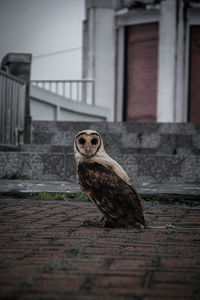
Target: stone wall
x: 149, y: 152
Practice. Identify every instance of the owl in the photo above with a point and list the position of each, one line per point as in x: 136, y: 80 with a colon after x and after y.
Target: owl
x: 106, y: 183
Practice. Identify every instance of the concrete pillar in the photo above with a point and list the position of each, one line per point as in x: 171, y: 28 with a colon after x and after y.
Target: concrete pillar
x: 99, y: 54
x: 167, y: 61
x: 180, y: 96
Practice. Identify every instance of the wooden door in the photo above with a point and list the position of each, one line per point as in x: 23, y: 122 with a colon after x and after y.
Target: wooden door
x: 194, y: 75
x: 141, y: 69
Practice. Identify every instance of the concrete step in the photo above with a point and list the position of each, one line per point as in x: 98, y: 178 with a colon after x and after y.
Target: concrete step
x: 149, y: 152
x: 142, y: 168
x: 64, y: 190
x: 129, y: 138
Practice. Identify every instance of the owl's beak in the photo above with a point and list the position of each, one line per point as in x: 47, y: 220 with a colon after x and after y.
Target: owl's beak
x: 88, y: 150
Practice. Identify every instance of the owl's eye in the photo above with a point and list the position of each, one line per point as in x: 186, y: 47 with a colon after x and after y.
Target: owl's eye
x: 81, y: 141
x: 94, y: 141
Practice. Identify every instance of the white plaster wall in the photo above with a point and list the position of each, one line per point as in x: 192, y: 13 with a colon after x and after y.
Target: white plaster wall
x: 104, y: 59
x: 75, y: 117
x: 49, y: 106
x: 42, y: 111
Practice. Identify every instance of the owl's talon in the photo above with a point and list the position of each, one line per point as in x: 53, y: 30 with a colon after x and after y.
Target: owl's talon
x: 85, y: 223
x: 91, y: 222
x: 98, y: 222
x: 136, y: 226
x: 106, y: 223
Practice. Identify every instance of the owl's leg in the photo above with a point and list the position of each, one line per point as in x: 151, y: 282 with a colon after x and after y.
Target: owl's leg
x: 105, y: 222
x: 139, y: 226
x: 99, y: 222
x: 135, y: 226
x: 95, y: 222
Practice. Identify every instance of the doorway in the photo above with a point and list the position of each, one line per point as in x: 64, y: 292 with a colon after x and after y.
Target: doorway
x: 194, y: 76
x: 141, y: 72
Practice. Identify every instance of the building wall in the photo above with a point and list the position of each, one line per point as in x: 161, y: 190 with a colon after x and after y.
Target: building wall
x: 107, y: 23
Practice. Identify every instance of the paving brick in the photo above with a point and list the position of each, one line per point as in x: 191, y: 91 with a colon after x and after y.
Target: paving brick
x: 45, y: 253
x: 123, y: 285
x: 172, y: 290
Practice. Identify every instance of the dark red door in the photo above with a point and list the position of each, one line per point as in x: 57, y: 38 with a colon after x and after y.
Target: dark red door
x: 141, y: 68
x: 194, y: 89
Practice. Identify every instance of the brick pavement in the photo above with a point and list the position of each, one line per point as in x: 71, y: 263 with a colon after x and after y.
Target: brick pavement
x: 45, y: 253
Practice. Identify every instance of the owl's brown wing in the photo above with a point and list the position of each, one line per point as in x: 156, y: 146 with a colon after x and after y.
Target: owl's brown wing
x: 115, y: 198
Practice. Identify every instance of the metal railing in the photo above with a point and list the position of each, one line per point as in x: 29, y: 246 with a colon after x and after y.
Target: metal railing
x: 12, y: 109
x: 81, y: 90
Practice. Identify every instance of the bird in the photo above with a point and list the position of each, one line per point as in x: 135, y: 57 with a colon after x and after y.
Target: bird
x: 106, y: 183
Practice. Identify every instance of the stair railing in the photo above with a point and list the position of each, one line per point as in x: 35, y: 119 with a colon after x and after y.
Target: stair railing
x: 81, y: 90
x: 12, y: 109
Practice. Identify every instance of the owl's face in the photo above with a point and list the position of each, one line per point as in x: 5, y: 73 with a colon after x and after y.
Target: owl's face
x: 88, y: 143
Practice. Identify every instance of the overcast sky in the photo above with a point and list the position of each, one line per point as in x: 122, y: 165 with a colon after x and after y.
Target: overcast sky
x: 44, y: 27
